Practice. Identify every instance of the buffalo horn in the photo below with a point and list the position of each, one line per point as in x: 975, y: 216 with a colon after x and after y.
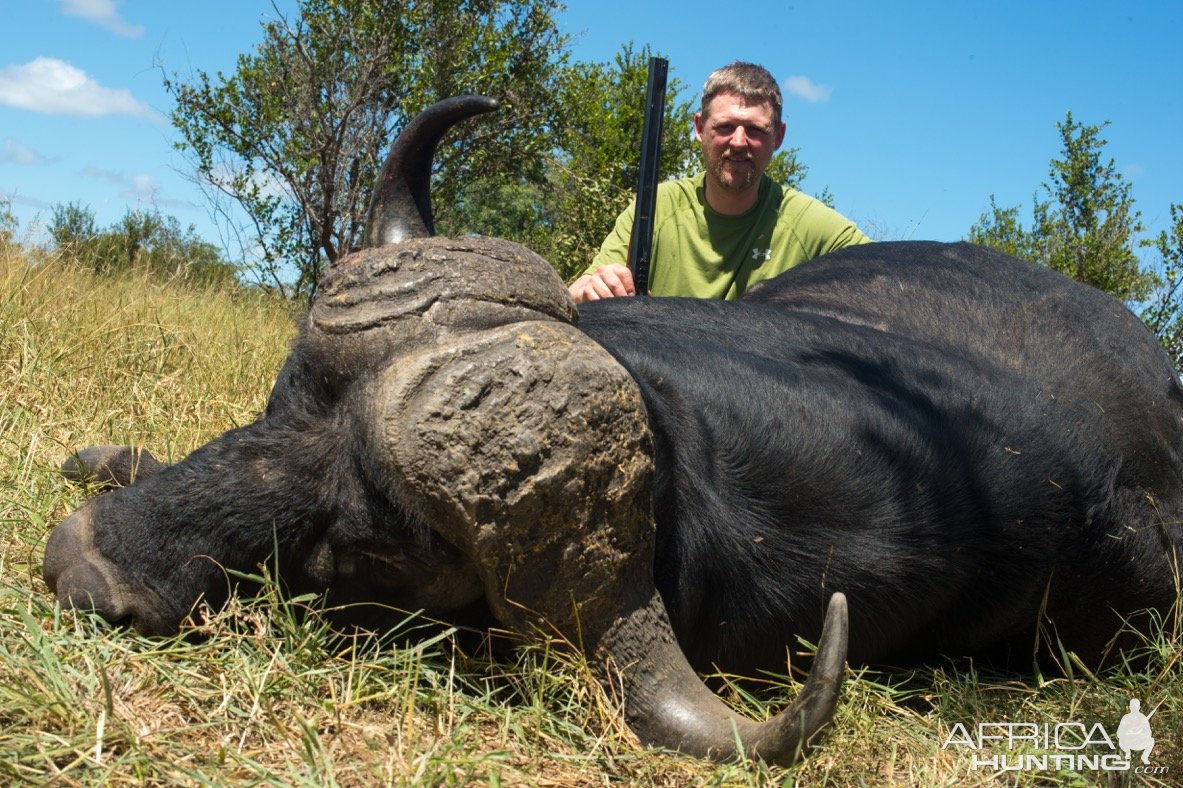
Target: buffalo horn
x: 667, y: 705
x: 401, y: 204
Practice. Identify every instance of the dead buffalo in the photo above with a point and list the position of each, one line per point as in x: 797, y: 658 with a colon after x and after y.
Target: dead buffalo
x: 969, y: 448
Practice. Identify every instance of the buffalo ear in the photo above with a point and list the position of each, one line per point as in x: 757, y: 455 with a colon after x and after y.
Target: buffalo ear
x: 527, y: 447
x: 110, y: 466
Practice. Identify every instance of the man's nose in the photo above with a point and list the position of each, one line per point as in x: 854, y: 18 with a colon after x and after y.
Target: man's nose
x: 739, y: 138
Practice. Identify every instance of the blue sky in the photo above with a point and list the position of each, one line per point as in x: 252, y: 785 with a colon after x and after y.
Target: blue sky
x: 912, y: 114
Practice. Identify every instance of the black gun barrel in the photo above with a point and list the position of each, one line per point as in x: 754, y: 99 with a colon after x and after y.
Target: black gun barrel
x: 640, y: 249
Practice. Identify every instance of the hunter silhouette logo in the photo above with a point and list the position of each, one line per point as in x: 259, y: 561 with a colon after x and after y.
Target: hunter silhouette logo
x: 1133, y: 732
x: 1077, y: 746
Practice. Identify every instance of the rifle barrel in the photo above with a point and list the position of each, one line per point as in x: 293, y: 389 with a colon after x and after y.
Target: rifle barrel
x: 641, y: 241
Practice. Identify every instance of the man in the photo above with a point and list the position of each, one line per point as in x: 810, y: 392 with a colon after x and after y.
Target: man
x: 731, y: 226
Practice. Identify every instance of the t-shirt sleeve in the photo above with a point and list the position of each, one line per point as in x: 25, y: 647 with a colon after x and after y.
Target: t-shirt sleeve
x: 614, y: 249
x: 824, y: 230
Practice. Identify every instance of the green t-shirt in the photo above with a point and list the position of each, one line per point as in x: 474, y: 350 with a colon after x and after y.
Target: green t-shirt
x: 700, y: 253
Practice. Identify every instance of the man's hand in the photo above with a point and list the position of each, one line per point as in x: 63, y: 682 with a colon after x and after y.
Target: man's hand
x: 607, y: 281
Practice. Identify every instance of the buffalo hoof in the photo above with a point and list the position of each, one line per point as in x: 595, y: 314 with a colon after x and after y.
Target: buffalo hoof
x: 110, y: 466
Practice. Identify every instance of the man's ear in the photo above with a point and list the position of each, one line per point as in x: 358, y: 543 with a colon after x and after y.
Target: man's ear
x: 780, y: 135
x: 698, y: 126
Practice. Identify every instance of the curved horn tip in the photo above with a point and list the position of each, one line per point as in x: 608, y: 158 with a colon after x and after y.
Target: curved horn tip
x: 479, y: 103
x: 836, y: 625
x: 829, y: 664
x: 790, y: 734
x: 400, y: 206
x: 667, y: 704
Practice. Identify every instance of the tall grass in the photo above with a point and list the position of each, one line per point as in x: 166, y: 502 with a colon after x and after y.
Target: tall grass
x: 269, y: 695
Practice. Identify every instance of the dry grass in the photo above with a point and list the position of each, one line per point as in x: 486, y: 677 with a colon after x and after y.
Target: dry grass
x: 269, y: 695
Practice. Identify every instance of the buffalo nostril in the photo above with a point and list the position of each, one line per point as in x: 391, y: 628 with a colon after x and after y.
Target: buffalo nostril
x: 84, y: 579
x: 98, y: 587
x: 85, y: 586
x: 69, y: 544
x: 78, y: 573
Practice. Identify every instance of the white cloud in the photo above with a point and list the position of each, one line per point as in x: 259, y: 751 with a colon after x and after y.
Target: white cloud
x: 804, y: 88
x: 139, y: 188
x: 13, y: 152
x: 144, y: 184
x: 110, y: 176
x: 104, y: 13
x: 55, y: 87
x: 16, y: 198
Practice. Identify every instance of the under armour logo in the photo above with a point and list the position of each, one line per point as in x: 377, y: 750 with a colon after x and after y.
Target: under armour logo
x: 761, y: 254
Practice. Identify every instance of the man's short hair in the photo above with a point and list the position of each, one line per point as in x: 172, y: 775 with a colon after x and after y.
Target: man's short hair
x: 754, y: 83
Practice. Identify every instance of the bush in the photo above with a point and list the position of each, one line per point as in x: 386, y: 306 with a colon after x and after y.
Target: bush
x: 146, y: 240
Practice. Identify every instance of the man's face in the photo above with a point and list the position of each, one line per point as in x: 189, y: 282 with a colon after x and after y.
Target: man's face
x: 738, y: 140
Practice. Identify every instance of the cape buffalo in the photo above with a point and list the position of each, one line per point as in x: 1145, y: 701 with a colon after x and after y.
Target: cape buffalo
x: 967, y: 447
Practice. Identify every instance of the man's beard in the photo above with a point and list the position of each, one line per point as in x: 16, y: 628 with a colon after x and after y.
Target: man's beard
x: 732, y: 181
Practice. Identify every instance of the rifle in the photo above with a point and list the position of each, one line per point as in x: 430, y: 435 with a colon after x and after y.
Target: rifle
x: 640, y: 245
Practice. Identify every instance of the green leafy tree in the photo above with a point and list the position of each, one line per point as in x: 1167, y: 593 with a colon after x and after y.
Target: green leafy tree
x: 141, y: 239
x: 787, y: 170
x: 1164, y: 310
x: 293, y: 139
x: 1002, y: 229
x: 136, y: 231
x: 1090, y: 233
x: 72, y: 225
x: 595, y: 170
x: 151, y: 240
x: 1086, y: 226
x: 77, y: 237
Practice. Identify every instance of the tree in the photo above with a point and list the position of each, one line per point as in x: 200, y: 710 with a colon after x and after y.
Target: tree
x: 76, y: 236
x: 1085, y: 228
x: 593, y: 171
x: 8, y: 225
x: 1164, y: 311
x: 1090, y: 236
x: 294, y: 138
x: 1002, y: 229
x: 141, y: 239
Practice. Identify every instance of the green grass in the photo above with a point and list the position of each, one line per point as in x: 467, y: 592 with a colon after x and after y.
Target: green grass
x: 269, y: 695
